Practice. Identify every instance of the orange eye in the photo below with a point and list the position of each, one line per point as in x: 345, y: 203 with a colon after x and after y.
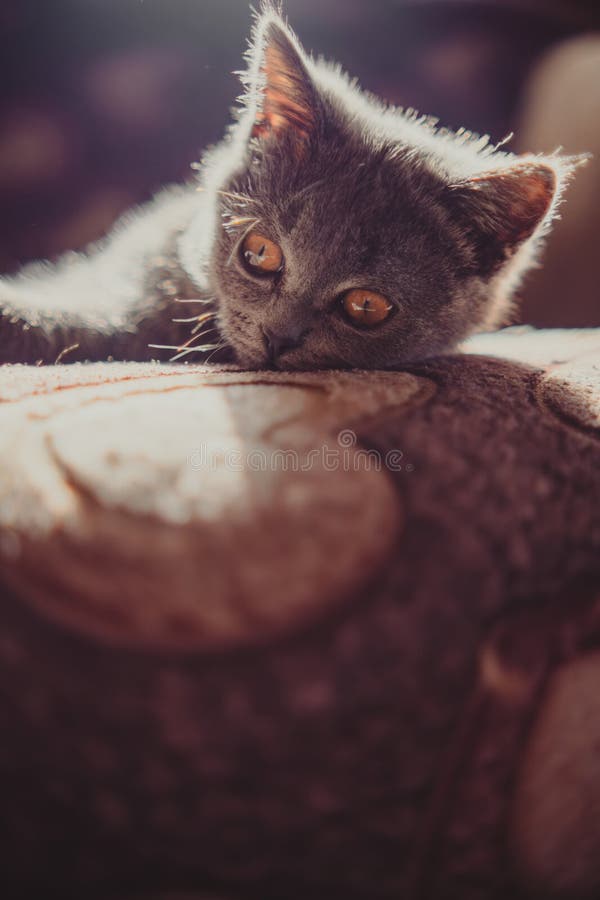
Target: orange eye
x: 261, y: 255
x: 366, y: 308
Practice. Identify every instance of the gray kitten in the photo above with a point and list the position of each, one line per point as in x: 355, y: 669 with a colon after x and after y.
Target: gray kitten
x: 325, y: 231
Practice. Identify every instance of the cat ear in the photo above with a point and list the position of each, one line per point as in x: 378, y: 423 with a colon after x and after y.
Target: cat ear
x: 284, y: 100
x: 503, y: 208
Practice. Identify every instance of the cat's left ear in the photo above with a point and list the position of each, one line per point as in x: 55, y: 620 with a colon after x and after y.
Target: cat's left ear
x: 503, y: 208
x: 282, y: 94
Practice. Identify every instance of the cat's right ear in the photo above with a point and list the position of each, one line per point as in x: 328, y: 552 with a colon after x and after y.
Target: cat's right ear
x: 280, y: 91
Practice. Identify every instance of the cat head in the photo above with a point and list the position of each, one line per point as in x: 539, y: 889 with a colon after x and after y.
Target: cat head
x: 352, y: 235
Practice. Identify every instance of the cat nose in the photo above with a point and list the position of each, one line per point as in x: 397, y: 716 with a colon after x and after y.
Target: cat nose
x: 278, y: 341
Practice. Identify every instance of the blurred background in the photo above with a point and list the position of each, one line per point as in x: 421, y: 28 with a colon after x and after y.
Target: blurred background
x: 104, y: 101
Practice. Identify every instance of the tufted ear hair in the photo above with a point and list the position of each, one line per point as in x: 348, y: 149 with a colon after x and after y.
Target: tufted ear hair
x: 281, y: 93
x: 502, y: 208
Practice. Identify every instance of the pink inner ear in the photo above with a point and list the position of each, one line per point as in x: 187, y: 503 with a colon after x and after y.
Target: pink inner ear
x: 538, y: 187
x: 283, y: 105
x: 518, y: 198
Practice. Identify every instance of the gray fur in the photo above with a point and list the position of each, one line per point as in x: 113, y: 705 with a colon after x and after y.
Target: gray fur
x: 444, y: 225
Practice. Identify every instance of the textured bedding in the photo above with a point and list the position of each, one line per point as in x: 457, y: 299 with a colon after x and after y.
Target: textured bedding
x: 314, y: 634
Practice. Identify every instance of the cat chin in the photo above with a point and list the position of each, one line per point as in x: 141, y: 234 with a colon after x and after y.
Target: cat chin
x: 254, y: 362
x: 287, y: 362
x: 299, y: 364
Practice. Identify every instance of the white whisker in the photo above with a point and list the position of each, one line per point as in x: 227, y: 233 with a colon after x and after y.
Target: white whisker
x: 197, y: 327
x: 220, y: 346
x: 64, y: 352
x: 184, y: 321
x: 203, y: 348
x: 188, y: 343
x: 234, y: 196
x: 194, y: 300
x: 162, y: 347
x: 202, y: 317
x: 199, y: 335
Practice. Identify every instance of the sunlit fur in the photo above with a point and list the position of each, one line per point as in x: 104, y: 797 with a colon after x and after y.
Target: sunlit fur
x: 357, y: 195
x: 379, y: 199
